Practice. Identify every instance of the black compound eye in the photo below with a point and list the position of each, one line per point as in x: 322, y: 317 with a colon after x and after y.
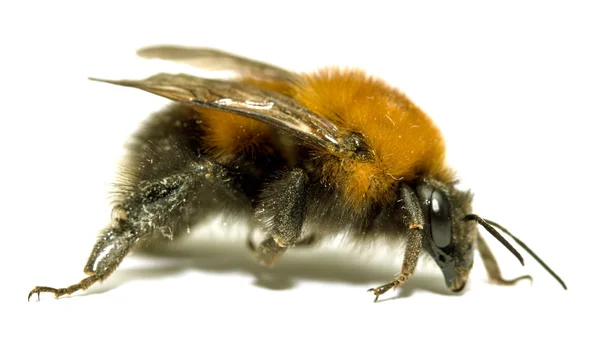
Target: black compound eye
x: 440, y: 219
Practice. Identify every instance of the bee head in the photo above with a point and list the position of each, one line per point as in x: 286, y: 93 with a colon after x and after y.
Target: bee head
x: 448, y: 238
x: 451, y: 232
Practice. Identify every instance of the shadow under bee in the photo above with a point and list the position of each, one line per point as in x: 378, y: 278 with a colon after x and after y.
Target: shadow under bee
x: 303, y: 263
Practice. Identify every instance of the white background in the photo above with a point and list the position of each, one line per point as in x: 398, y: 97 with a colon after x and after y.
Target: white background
x: 514, y: 88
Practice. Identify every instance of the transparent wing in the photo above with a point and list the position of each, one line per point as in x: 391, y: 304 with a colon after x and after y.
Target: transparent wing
x: 216, y: 60
x: 243, y: 99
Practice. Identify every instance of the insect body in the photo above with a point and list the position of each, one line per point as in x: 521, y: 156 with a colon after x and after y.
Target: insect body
x: 301, y: 155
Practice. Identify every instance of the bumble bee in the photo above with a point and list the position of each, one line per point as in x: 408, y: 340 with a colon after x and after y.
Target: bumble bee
x: 302, y: 156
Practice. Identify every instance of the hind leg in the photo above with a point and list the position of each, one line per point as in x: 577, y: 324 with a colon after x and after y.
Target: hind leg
x: 166, y: 186
x: 163, y: 205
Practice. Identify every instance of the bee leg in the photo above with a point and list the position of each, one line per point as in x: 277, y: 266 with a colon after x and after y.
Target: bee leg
x: 491, y: 265
x: 113, y: 255
x: 411, y: 257
x: 109, y: 250
x: 159, y: 204
x: 284, y: 204
x: 413, y: 220
x: 310, y: 240
x: 82, y: 285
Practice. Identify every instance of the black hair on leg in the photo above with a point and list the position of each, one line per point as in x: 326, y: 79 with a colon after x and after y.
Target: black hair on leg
x: 282, y: 211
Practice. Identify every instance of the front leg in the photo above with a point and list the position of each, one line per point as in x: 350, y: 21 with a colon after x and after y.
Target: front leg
x: 491, y: 265
x: 413, y: 221
x: 282, y: 211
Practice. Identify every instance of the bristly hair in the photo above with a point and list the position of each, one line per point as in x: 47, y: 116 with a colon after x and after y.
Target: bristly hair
x: 168, y: 141
x: 402, y: 140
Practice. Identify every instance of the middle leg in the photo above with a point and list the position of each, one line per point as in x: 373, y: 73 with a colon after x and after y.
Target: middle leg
x: 282, y: 211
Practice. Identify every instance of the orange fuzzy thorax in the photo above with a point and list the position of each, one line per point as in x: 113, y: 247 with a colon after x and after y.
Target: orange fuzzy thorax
x: 405, y: 142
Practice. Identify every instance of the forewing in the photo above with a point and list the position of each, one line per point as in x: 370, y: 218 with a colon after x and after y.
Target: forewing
x: 216, y: 60
x: 242, y: 99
